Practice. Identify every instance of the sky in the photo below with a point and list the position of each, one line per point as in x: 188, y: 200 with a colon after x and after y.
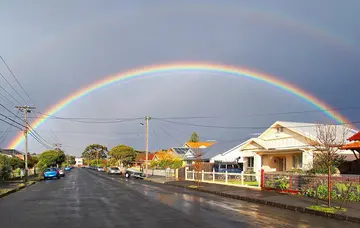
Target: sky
x: 57, y: 47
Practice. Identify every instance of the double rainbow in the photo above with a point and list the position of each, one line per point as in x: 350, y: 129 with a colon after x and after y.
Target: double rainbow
x: 185, y: 67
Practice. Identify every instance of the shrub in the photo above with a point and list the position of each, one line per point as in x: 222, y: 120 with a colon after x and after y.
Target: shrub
x: 279, y: 182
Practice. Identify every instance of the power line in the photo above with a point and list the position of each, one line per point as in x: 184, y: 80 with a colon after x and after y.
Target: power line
x: 80, y: 120
x: 5, y: 134
x: 21, y: 130
x: 10, y: 95
x: 166, y: 132
x: 244, y: 127
x: 12, y: 87
x: 11, y: 112
x: 12, y: 73
x: 31, y: 131
x: 10, y: 124
x: 2, y: 95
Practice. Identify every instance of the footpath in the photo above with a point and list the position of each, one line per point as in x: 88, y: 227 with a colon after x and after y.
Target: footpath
x: 270, y: 198
x: 11, y: 186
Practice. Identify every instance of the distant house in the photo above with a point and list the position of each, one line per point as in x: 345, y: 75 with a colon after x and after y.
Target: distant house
x: 141, y: 158
x: 79, y: 162
x: 192, y: 151
x: 282, y: 147
x: 13, y: 153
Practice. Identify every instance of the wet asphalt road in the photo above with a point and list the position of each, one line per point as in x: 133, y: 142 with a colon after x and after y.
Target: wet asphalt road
x: 86, y: 198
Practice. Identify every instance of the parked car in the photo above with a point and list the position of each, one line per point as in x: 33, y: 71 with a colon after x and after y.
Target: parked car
x: 134, y: 173
x: 230, y: 167
x: 61, y: 172
x: 114, y: 170
x: 51, y: 173
x: 100, y: 169
x: 67, y: 168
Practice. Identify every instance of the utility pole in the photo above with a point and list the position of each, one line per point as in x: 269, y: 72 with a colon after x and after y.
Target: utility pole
x: 26, y: 110
x: 57, y: 146
x: 147, y: 118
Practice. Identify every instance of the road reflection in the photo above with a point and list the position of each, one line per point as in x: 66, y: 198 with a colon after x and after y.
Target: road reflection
x: 203, y: 206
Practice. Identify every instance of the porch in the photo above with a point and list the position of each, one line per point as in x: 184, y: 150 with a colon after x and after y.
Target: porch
x: 281, y: 161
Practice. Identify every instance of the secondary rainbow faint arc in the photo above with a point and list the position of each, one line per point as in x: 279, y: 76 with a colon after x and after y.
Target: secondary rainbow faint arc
x: 173, y: 67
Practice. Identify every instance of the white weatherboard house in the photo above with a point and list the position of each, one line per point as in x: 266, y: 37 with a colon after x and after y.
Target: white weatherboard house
x: 282, y: 147
x: 79, y: 162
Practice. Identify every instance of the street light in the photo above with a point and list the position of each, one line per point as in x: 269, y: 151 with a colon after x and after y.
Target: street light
x: 147, y: 118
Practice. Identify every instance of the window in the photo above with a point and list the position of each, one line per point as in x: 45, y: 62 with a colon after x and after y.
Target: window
x: 250, y: 162
x: 280, y: 129
x: 297, y: 161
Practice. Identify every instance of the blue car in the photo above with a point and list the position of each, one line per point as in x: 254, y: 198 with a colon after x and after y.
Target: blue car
x: 67, y: 168
x: 51, y: 173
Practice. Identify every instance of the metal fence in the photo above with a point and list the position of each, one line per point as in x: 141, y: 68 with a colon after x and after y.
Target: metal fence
x: 236, y: 179
x: 313, y: 185
x: 297, y: 182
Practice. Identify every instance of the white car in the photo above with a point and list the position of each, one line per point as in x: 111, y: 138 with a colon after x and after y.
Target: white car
x: 100, y: 169
x: 61, y: 172
x: 114, y: 170
x: 134, y: 173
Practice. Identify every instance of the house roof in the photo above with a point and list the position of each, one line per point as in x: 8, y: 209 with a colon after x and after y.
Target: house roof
x: 11, y: 152
x: 218, y: 148
x: 351, y: 146
x: 355, y: 137
x: 164, y: 154
x: 140, y: 157
x: 181, y: 151
x: 309, y: 130
x: 200, y: 144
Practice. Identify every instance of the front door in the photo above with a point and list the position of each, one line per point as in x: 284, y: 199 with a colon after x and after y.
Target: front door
x: 282, y: 164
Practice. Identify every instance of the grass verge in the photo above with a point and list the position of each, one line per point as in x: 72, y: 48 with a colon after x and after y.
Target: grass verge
x: 326, y: 209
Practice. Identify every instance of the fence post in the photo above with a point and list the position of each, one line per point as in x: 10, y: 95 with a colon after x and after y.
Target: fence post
x: 193, y: 174
x: 290, y: 181
x: 242, y: 178
x: 213, y: 175
x: 226, y: 177
x: 202, y: 175
x: 262, y: 178
x: 186, y: 172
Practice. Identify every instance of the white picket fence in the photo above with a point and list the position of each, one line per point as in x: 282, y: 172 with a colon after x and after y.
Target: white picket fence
x: 21, y: 173
x: 235, y: 179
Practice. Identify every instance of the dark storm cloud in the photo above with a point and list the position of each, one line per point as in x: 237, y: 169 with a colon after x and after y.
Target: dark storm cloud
x: 56, y: 49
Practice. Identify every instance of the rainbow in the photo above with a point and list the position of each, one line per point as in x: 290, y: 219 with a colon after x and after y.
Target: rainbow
x: 186, y: 67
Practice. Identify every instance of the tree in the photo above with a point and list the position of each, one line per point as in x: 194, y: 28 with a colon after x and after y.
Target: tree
x: 95, y: 151
x: 16, y: 163
x: 319, y: 164
x: 33, y: 160
x: 194, y: 137
x: 5, y: 167
x: 123, y: 154
x: 50, y: 158
x: 327, y: 143
x: 70, y: 159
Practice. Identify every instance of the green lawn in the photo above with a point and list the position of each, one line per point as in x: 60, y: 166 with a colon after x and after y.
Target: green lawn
x: 238, y: 182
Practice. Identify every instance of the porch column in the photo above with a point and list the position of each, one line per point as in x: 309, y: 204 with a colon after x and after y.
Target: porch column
x: 257, y: 163
x: 307, y: 159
